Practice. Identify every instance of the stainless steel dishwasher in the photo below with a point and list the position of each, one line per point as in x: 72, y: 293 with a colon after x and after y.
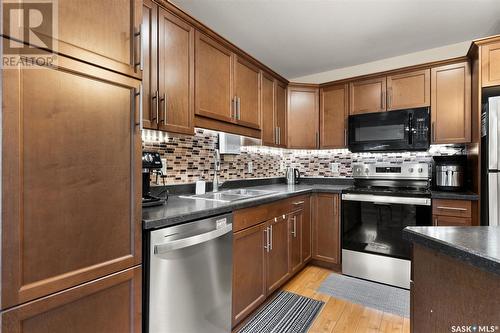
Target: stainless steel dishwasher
x: 190, y: 277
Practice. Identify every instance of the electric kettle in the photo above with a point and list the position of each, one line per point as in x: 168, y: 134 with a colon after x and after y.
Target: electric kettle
x: 292, y: 176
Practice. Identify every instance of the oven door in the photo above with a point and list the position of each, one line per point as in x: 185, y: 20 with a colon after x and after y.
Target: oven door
x: 374, y: 224
x: 389, y: 131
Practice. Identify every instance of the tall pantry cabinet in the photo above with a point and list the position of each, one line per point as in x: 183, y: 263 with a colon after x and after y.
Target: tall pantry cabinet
x: 71, y: 192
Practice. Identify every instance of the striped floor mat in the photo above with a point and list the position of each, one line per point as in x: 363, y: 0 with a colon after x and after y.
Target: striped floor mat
x: 286, y: 313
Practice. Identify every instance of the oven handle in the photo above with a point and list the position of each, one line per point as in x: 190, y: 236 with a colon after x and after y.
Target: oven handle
x: 386, y: 199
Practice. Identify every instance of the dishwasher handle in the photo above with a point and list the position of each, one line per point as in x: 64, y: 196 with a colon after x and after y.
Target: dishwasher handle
x: 193, y: 240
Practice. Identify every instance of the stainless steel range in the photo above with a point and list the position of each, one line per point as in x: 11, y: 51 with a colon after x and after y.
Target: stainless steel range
x: 385, y: 199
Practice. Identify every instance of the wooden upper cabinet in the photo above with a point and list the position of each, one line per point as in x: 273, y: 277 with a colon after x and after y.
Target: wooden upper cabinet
x: 326, y: 228
x: 104, y: 33
x: 246, y: 91
x: 110, y: 304
x: 367, y: 96
x: 490, y: 63
x: 213, y: 79
x: 268, y: 132
x: 451, y: 103
x: 67, y: 217
x: 409, y: 90
x: 303, y: 114
x: 281, y: 113
x: 334, y: 110
x: 175, y: 74
x: 150, y: 70
x: 249, y: 271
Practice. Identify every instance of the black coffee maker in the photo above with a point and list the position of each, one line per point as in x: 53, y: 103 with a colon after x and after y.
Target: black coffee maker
x: 151, y: 163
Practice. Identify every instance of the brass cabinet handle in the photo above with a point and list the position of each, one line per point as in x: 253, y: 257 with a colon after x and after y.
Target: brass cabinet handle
x: 294, y: 231
x: 279, y: 135
x: 390, y: 98
x: 271, y: 238
x: 345, y: 136
x: 298, y: 203
x: 266, y: 247
x: 317, y: 140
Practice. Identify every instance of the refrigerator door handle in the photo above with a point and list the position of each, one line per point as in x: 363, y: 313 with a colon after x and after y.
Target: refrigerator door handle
x: 493, y: 128
x: 493, y: 186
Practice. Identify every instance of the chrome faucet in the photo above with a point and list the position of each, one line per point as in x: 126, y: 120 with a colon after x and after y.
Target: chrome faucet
x: 216, y: 183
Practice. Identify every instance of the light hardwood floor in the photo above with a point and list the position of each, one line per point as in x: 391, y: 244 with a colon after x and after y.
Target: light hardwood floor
x: 339, y: 316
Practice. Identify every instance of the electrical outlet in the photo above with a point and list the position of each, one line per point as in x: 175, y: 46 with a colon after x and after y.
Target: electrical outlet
x: 250, y: 167
x: 334, y: 167
x: 164, y: 166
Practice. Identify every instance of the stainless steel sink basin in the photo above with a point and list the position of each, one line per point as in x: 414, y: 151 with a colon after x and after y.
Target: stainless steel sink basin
x: 229, y: 195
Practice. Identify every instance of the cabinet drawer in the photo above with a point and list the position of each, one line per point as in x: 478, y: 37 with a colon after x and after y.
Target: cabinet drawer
x: 247, y: 217
x: 109, y: 304
x: 451, y: 221
x: 458, y: 208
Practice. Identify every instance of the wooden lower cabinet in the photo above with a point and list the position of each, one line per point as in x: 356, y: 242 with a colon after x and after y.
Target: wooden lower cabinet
x: 249, y: 270
x: 295, y: 240
x: 71, y: 178
x: 266, y: 254
x: 451, y: 212
x: 326, y: 228
x: 447, y: 292
x: 277, y: 257
x: 109, y: 304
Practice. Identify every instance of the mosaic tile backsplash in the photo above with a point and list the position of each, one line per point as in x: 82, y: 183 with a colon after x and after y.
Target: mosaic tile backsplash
x: 191, y: 158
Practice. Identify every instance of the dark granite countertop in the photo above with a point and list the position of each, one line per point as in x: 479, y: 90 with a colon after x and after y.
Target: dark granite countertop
x: 478, y: 246
x: 179, y: 210
x: 454, y: 195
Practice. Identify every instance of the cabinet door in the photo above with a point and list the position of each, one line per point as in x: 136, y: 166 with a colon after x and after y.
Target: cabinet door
x: 249, y: 270
x: 326, y: 233
x: 490, y: 62
x: 71, y: 176
x: 268, y: 111
x: 367, y: 96
x: 277, y: 263
x: 176, y: 74
x: 303, y: 114
x: 104, y: 33
x: 409, y: 90
x: 333, y: 116
x: 281, y: 114
x: 451, y: 221
x: 306, y: 231
x: 295, y: 221
x: 110, y: 304
x: 246, y: 90
x: 213, y: 79
x: 451, y: 103
x: 150, y: 70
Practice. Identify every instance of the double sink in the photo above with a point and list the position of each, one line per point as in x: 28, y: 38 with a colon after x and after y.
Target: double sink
x: 229, y: 195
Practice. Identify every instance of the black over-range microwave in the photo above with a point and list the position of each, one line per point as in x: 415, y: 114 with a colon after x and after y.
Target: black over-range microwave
x: 398, y: 130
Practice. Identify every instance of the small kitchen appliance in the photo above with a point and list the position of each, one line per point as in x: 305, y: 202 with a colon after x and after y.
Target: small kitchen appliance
x: 151, y: 163
x: 292, y: 176
x: 449, y: 174
x: 400, y: 130
x: 384, y: 200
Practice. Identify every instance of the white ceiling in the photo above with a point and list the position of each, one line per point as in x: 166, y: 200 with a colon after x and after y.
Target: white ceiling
x: 301, y: 37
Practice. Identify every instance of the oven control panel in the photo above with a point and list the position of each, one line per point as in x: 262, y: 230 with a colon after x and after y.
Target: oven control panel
x: 391, y: 171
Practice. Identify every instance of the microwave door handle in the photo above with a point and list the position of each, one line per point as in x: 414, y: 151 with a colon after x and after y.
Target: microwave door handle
x: 410, y: 129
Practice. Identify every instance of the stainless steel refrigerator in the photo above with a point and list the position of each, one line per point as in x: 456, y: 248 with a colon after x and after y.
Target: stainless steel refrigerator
x: 490, y: 129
